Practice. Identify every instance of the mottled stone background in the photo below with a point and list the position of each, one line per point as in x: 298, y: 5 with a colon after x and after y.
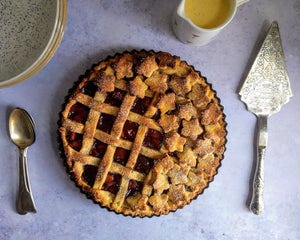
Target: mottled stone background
x: 96, y: 29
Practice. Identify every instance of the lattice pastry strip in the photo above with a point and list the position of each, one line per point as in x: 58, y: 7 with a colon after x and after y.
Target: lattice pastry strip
x: 90, y: 126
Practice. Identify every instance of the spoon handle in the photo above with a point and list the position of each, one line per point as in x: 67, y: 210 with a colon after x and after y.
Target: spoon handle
x: 25, y: 201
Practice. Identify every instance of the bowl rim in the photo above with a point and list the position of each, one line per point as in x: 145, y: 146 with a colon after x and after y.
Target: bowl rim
x: 50, y: 49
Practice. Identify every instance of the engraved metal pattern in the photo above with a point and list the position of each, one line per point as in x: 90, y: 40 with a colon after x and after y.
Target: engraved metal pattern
x: 257, y: 203
x: 267, y: 86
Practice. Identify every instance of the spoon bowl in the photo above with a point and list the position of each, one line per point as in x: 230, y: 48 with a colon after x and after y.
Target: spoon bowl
x: 22, y: 134
x: 21, y: 128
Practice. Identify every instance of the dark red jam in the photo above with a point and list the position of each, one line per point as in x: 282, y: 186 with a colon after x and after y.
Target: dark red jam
x: 153, y: 139
x: 173, y: 154
x: 129, y: 131
x: 140, y: 106
x: 112, y: 182
x: 90, y: 88
x: 134, y: 187
x: 143, y: 164
x: 156, y: 116
x: 121, y: 156
x: 98, y: 149
x: 79, y: 113
x: 115, y: 98
x: 171, y: 112
x: 170, y: 90
x: 106, y: 122
x: 89, y: 174
x: 75, y: 140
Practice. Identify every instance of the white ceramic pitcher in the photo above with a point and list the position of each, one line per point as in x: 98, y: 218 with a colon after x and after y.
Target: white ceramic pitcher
x: 189, y: 33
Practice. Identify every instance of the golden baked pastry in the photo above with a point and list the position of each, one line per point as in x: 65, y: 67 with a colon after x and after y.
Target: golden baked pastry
x: 142, y: 133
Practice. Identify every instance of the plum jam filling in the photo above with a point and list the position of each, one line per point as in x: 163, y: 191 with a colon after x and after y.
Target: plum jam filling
x: 89, y: 174
x: 156, y: 116
x: 134, y: 187
x: 79, y: 113
x: 112, y: 182
x: 140, y: 106
x: 74, y: 140
x: 153, y: 139
x: 171, y: 112
x: 106, y: 122
x: 143, y: 164
x: 173, y: 154
x: 98, y: 149
x: 170, y: 90
x: 115, y: 98
x: 121, y: 156
x: 129, y: 131
x: 90, y: 89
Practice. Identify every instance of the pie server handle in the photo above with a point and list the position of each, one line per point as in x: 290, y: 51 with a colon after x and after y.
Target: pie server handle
x: 257, y: 204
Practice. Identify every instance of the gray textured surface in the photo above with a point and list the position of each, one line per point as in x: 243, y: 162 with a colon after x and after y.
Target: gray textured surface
x: 98, y: 28
x: 25, y: 30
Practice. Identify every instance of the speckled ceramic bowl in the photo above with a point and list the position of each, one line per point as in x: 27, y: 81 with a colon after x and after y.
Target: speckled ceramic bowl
x: 30, y: 33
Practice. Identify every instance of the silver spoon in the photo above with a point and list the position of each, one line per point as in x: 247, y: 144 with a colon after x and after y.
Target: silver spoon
x: 22, y: 134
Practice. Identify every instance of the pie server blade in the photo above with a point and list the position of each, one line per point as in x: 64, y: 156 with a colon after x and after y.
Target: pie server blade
x: 265, y: 90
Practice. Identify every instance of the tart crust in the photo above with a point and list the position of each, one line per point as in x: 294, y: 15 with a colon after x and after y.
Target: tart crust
x: 142, y: 133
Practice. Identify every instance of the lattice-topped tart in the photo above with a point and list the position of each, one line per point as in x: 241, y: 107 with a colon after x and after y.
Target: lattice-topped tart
x: 143, y: 133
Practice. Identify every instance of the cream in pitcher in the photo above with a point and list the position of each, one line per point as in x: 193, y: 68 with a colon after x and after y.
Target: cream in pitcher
x: 197, y: 22
x: 207, y: 13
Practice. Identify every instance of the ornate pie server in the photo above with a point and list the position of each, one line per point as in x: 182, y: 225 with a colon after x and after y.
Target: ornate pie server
x: 264, y: 91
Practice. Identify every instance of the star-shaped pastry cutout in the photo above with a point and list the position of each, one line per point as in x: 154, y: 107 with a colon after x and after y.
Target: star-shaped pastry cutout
x: 124, y: 67
x: 166, y: 60
x: 159, y: 202
x: 168, y: 122
x: 211, y: 115
x: 146, y: 66
x: 191, y: 128
x: 138, y: 202
x: 199, y: 95
x: 157, y: 82
x: 187, y: 111
x: 166, y: 103
x: 178, y: 174
x: 187, y: 157
x: 180, y: 84
x: 214, y: 132
x: 203, y: 147
x: 196, y: 181
x: 137, y: 87
x: 106, y: 80
x: 175, y: 142
x: 207, y: 164
x: 163, y: 165
x: 160, y: 183
x: 177, y: 193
